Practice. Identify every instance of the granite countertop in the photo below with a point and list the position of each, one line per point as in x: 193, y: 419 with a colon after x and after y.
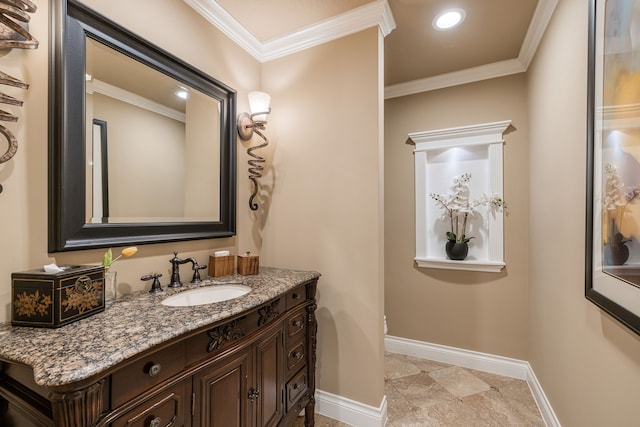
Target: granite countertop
x: 131, y: 325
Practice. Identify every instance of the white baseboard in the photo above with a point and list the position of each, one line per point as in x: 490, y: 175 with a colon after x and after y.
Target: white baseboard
x: 499, y: 365
x: 349, y: 411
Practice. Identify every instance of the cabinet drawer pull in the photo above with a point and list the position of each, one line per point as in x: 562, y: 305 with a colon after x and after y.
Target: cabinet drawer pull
x: 295, y: 296
x: 156, y: 422
x: 154, y: 369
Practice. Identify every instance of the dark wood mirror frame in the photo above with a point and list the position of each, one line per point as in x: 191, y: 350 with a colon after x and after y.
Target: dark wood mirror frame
x: 68, y: 230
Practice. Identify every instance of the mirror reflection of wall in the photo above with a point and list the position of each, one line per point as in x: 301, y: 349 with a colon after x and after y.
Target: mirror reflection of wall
x: 162, y: 137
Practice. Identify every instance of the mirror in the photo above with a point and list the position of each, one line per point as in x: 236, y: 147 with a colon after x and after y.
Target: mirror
x: 142, y: 145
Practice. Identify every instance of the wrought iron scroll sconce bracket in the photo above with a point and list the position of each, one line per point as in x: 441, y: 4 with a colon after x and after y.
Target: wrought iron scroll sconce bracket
x: 248, y: 124
x: 14, y: 33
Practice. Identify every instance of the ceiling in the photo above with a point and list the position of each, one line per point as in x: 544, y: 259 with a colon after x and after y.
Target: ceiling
x: 492, y: 31
x: 497, y: 37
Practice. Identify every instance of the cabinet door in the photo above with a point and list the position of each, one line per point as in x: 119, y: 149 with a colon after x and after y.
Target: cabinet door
x: 268, y: 379
x: 221, y: 393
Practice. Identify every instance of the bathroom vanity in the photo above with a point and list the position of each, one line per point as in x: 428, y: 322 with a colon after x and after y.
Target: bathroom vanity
x: 249, y: 361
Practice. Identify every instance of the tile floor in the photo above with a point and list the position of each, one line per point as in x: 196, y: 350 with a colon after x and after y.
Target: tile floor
x: 423, y: 393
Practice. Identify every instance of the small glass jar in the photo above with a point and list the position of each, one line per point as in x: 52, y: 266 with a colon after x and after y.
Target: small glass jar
x: 110, y: 282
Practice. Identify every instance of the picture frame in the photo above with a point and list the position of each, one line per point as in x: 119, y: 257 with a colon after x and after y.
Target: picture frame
x: 612, y: 259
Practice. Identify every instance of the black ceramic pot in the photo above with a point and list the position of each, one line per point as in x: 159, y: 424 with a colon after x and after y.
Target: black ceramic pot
x: 616, y: 254
x: 616, y: 251
x: 457, y: 251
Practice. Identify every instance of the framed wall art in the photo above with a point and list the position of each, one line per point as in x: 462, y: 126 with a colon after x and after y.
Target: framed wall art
x: 613, y: 160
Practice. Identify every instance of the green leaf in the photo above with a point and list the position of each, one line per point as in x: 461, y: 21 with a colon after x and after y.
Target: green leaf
x: 451, y: 236
x: 107, y: 259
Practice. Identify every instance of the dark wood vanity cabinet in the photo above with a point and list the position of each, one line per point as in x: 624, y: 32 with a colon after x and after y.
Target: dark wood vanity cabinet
x: 244, y: 388
x: 254, y: 369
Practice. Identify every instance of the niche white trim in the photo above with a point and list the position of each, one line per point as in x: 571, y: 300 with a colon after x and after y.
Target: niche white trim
x: 440, y: 155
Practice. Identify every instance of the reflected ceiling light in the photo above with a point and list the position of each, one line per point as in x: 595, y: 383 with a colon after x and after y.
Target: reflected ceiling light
x: 247, y: 125
x: 448, y: 19
x: 182, y: 93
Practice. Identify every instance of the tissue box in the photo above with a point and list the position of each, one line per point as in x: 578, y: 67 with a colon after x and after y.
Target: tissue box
x: 220, y: 265
x: 51, y: 300
x: 248, y: 264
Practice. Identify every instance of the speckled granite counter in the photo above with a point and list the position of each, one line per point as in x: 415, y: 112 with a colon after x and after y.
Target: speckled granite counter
x: 133, y: 324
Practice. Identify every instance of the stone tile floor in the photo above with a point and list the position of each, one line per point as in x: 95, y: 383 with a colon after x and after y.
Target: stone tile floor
x: 424, y: 393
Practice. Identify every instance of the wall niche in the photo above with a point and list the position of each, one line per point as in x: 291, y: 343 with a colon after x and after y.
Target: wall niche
x: 441, y: 156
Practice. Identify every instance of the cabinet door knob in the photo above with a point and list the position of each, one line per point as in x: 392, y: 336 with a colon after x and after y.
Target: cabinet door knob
x: 154, y: 369
x: 156, y: 422
x: 254, y: 394
x: 297, y: 323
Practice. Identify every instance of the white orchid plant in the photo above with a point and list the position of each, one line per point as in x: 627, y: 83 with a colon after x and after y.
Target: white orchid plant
x: 615, y: 201
x: 458, y: 205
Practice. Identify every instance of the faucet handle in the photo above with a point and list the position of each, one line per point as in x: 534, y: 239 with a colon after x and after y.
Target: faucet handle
x: 196, y: 272
x: 155, y: 286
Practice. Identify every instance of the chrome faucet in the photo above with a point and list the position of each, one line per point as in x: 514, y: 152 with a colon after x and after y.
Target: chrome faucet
x: 175, y: 270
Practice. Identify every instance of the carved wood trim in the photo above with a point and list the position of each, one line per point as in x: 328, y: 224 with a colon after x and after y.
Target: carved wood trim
x: 268, y: 312
x: 79, y: 408
x: 312, y: 336
x: 225, y: 333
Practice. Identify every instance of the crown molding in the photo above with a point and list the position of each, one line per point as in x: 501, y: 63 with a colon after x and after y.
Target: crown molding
x: 539, y: 22
x: 361, y: 18
x: 223, y: 21
x: 379, y: 14
x: 373, y: 14
x: 455, y: 78
x: 387, y: 23
x: 122, y: 95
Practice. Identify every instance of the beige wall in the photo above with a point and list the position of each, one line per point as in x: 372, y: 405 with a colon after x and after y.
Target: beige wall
x: 323, y: 209
x: 477, y: 311
x: 146, y: 148
x: 23, y: 203
x: 587, y: 363
x: 202, y: 157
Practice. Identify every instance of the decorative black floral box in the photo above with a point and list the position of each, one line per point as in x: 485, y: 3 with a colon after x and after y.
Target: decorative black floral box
x: 51, y: 300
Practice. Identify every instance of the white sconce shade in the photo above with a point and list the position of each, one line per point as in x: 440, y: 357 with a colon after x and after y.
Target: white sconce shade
x: 259, y: 103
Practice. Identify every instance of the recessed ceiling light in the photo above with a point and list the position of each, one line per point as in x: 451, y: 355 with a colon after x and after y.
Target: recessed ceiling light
x: 448, y: 19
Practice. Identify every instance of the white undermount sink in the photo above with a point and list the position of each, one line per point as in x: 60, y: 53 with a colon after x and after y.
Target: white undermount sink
x: 206, y: 295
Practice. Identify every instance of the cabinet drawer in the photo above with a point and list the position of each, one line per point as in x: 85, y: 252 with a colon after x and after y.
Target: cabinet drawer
x: 296, y: 357
x: 296, y: 296
x: 139, y: 376
x: 296, y: 326
x: 165, y: 409
x: 296, y: 388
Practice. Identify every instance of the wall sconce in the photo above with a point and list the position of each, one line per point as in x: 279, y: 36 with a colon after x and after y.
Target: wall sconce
x: 247, y: 125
